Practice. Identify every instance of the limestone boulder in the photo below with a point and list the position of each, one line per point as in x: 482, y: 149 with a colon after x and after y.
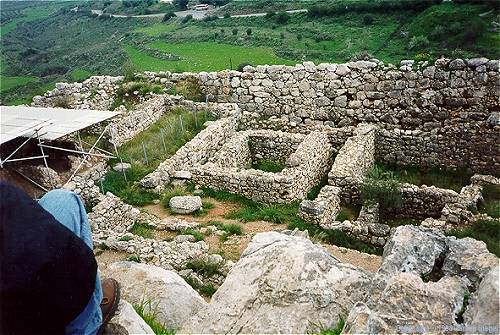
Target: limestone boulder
x: 412, y: 249
x: 185, y: 204
x: 164, y: 293
x: 405, y: 304
x: 126, y: 321
x: 121, y: 167
x: 282, y: 284
x: 484, y: 309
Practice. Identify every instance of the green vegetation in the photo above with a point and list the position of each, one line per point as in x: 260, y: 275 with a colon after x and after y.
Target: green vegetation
x: 268, y: 166
x: 189, y: 88
x: 453, y: 180
x: 125, y: 238
x: 80, y: 75
x: 128, y: 190
x: 350, y: 213
x: 483, y: 230
x: 7, y: 83
x: 47, y: 41
x: 147, y: 311
x: 287, y: 213
x: 204, y: 268
x: 313, y: 192
x: 176, y: 128
x: 142, y: 229
x: 491, y: 195
x: 202, y: 56
x: 229, y: 229
x: 336, y: 237
x: 381, y: 185
x: 402, y: 222
x: 134, y: 258
x: 206, y: 290
x: 196, y: 234
x: 130, y: 92
x: 460, y: 315
x: 333, y: 331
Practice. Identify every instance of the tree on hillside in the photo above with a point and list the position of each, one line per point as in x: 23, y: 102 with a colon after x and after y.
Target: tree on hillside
x: 181, y: 4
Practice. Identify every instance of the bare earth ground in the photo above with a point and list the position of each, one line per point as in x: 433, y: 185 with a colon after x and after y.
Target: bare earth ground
x: 235, y: 245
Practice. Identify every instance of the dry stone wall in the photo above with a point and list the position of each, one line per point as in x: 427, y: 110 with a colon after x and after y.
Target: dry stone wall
x: 452, y: 103
x: 303, y: 169
x: 353, y: 160
x: 197, y: 151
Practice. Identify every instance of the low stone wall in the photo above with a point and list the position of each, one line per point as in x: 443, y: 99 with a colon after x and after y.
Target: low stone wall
x: 353, y: 160
x: 197, y: 151
x: 235, y: 153
x: 322, y: 210
x: 473, y: 146
x: 97, y: 93
x: 303, y: 169
x: 421, y: 202
x: 275, y: 146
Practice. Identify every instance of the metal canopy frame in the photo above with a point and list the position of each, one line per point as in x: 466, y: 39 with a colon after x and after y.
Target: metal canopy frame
x: 45, y: 129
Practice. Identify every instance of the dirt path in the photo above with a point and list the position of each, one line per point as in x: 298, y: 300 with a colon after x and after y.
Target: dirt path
x: 234, y: 246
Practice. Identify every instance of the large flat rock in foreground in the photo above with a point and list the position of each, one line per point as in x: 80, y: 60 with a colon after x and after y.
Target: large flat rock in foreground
x: 282, y: 284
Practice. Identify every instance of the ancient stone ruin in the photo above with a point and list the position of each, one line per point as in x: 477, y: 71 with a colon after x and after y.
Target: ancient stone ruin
x: 327, y: 125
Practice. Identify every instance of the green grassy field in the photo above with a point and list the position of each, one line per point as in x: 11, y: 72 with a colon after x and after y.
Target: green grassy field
x: 203, y: 56
x: 7, y: 83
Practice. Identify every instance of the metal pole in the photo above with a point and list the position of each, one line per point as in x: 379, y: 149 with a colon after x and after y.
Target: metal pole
x: 230, y: 63
x: 195, y: 119
x: 117, y: 155
x: 74, y: 151
x: 182, y: 125
x: 41, y: 149
x: 85, y: 158
x: 102, y: 186
x: 162, y: 133
x: 145, y: 154
x: 79, y: 140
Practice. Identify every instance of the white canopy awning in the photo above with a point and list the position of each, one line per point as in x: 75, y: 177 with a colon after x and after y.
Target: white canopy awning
x: 50, y: 123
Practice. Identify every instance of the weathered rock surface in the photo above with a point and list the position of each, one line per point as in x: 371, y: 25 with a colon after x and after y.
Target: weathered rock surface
x: 282, y: 284
x: 185, y: 204
x: 164, y: 292
x: 484, y: 309
x: 405, y: 304
x: 121, y: 167
x: 127, y: 322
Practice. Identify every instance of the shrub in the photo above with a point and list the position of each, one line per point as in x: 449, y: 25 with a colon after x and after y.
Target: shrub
x: 282, y: 35
x: 270, y: 14
x: 299, y: 37
x: 206, y: 290
x: 129, y: 70
x: 423, y: 57
x: 209, y: 18
x: 362, y: 55
x: 241, y: 66
x: 235, y: 31
x: 205, y: 268
x: 227, y: 15
x: 382, y: 186
x: 168, y: 16
x: 249, y: 31
x: 367, y: 20
x: 187, y: 18
x: 282, y: 17
x: 62, y: 101
x: 189, y: 88
x: 418, y: 43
